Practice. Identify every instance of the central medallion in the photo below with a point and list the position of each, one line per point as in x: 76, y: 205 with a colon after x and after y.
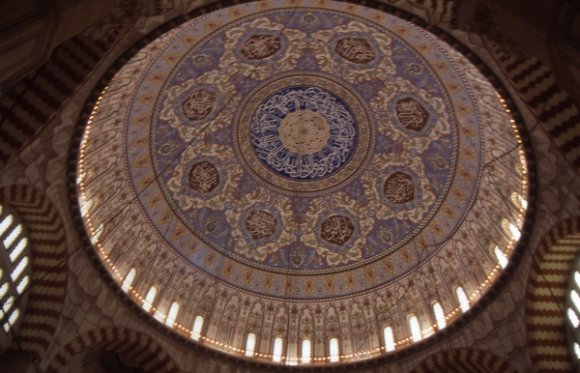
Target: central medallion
x: 304, y: 133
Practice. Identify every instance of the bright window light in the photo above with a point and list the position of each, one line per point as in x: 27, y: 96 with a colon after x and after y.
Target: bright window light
x: 8, y: 241
x: 511, y: 229
x: 19, y: 268
x: 172, y: 315
x: 573, y: 317
x: 577, y: 350
x: 334, y: 350
x: 4, y: 290
x: 519, y: 201
x: 12, y: 320
x: 7, y: 306
x: 306, y: 355
x: 577, y: 278
x: 85, y: 207
x: 197, y: 326
x: 575, y: 299
x: 6, y: 222
x: 514, y: 231
x: 277, y: 353
x: 463, y: 300
x: 250, y: 344
x: 22, y: 284
x: 439, y: 316
x: 97, y: 234
x: 389, y: 338
x: 18, y: 249
x: 501, y: 258
x: 150, y: 298
x: 415, y: 328
x: 128, y: 281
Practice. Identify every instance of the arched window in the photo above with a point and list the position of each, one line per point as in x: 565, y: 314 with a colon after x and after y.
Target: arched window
x: 334, y: 351
x: 128, y: 281
x: 415, y: 328
x: 511, y: 229
x: 439, y: 315
x: 519, y: 201
x: 501, y: 258
x: 389, y: 339
x: 197, y: 327
x: 306, y: 353
x: 277, y: 351
x: 150, y: 298
x: 172, y: 315
x: 463, y: 300
x: 250, y: 344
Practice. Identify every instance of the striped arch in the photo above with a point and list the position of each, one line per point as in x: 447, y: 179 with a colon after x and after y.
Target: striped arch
x: 141, y: 348
x: 537, y: 86
x: 48, y: 272
x: 464, y: 360
x: 546, y: 297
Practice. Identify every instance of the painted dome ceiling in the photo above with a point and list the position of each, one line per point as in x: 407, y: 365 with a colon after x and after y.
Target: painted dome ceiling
x: 301, y: 173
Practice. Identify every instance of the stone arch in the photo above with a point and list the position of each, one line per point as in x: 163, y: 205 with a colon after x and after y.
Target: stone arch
x: 546, y: 294
x: 140, y: 347
x: 464, y: 360
x: 48, y: 274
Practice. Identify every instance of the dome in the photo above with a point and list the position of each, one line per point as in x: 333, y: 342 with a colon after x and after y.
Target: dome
x: 316, y: 184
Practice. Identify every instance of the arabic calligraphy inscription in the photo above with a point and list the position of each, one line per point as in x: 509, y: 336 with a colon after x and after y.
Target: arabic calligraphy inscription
x: 258, y: 47
x: 337, y: 229
x: 199, y: 104
x: 260, y: 224
x: 411, y: 114
x: 203, y: 177
x: 355, y: 50
x: 399, y: 188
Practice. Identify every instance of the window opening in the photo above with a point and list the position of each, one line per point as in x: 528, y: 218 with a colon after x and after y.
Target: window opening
x: 415, y: 328
x: 150, y: 298
x: 501, y: 258
x: 463, y: 300
x: 128, y: 281
x: 334, y: 350
x: 389, y: 338
x: 306, y: 355
x: 439, y: 315
x: 250, y: 344
x: 197, y: 326
x: 277, y: 353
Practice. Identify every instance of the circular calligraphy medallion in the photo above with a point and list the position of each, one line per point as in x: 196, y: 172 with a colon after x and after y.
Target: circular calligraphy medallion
x: 299, y: 134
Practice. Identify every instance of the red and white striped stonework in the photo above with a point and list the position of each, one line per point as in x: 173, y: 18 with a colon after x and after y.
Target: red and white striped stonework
x: 547, y: 285
x: 49, y: 272
x: 139, y: 348
x: 464, y: 360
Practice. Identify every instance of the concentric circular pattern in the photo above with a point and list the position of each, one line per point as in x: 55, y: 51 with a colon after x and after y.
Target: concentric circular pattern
x: 304, y: 173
